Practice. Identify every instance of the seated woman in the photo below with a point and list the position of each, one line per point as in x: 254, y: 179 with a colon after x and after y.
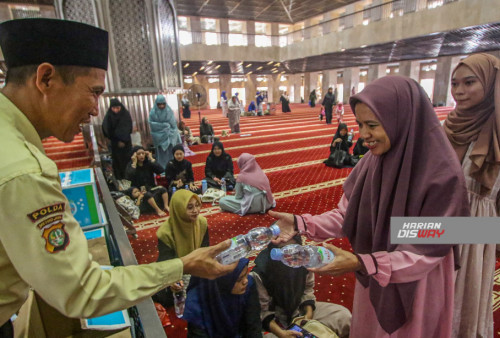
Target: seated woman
x: 342, y: 138
x: 360, y: 148
x: 219, y: 165
x: 141, y: 171
x: 253, y: 192
x: 252, y: 108
x: 179, y: 172
x: 184, y: 231
x: 207, y: 134
x: 225, y: 307
x: 188, y: 135
x: 286, y: 293
x: 154, y: 200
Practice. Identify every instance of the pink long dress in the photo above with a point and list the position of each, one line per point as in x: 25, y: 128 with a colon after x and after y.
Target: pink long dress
x: 432, y: 310
x: 473, y: 315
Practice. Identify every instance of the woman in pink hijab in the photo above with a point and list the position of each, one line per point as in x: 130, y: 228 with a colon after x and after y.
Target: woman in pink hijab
x: 252, y: 191
x: 473, y: 129
x: 402, y: 290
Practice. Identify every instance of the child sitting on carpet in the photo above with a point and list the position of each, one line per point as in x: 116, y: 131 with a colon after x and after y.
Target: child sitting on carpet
x: 154, y: 200
x: 184, y: 231
x: 225, y: 307
x: 286, y: 293
x: 253, y: 192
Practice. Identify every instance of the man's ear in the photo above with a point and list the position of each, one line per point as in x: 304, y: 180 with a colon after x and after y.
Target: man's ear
x: 44, y: 79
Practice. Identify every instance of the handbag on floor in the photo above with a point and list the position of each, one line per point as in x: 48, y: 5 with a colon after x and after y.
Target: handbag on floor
x: 212, y: 195
x: 336, y: 158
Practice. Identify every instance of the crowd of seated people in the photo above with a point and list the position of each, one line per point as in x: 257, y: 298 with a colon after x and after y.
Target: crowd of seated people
x: 401, y: 291
x: 241, y: 304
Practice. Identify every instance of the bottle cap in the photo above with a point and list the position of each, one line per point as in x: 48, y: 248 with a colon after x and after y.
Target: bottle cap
x: 275, y: 229
x: 276, y: 254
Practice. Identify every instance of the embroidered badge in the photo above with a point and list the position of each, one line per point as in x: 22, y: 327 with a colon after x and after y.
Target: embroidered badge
x: 42, y: 224
x: 56, y: 238
x: 46, y: 211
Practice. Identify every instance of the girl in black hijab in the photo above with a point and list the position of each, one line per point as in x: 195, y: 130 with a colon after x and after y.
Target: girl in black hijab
x: 286, y: 293
x: 359, y: 148
x: 179, y: 172
x: 342, y: 137
x: 117, y: 127
x: 206, y: 131
x: 219, y: 165
x: 142, y: 168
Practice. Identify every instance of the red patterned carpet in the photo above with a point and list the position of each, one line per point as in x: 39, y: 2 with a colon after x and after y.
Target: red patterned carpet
x: 290, y: 148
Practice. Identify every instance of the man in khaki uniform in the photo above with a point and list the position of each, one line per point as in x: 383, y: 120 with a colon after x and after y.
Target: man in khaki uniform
x: 56, y: 72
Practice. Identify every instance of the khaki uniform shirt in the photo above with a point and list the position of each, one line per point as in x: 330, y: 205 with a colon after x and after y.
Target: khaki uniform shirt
x: 43, y: 247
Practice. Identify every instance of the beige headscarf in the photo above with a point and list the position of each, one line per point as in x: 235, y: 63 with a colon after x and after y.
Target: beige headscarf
x: 179, y: 232
x: 480, y: 123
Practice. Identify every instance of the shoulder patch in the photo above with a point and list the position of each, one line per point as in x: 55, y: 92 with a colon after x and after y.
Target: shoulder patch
x: 49, y: 220
x: 46, y: 211
x: 56, y: 238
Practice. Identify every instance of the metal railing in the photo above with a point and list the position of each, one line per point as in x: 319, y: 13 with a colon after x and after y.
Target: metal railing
x: 149, y: 323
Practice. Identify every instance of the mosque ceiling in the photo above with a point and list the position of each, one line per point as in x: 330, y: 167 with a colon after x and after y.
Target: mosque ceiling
x: 457, y: 42
x: 31, y: 2
x: 285, y: 11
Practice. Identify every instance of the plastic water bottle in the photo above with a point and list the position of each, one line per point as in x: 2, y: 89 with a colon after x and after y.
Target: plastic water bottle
x: 295, y: 256
x: 203, y: 186
x: 179, y: 303
x: 174, y: 189
x: 351, y: 135
x: 241, y: 245
x: 186, y: 187
x: 223, y: 185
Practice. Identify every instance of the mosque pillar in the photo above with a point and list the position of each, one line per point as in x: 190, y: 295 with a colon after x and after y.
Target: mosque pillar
x: 410, y: 69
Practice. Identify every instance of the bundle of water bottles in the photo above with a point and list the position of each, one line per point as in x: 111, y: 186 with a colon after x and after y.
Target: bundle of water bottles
x: 293, y: 255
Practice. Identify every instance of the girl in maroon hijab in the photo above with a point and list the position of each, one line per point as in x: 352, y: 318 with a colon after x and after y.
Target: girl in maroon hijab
x: 474, y: 131
x: 410, y: 170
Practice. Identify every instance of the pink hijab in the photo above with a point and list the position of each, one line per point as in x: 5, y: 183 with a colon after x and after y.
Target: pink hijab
x: 419, y: 175
x: 252, y: 174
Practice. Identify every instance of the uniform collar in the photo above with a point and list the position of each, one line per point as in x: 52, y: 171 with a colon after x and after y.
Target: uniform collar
x: 20, y: 122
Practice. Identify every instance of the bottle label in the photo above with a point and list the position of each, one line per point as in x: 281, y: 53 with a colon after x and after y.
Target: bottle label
x: 326, y: 255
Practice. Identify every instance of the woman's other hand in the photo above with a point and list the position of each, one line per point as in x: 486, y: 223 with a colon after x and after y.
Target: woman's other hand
x: 286, y: 222
x: 344, y: 262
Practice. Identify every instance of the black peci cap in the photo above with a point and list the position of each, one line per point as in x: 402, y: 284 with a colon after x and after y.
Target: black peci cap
x: 59, y: 42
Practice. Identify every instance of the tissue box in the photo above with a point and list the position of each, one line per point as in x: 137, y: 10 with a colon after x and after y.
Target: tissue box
x: 80, y: 189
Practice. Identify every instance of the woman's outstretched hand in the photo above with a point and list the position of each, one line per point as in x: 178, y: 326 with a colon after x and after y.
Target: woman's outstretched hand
x: 344, y: 262
x: 286, y: 222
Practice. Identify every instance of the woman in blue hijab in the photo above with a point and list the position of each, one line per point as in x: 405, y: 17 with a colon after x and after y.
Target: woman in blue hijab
x: 227, y: 307
x: 163, y: 130
x: 252, y: 108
